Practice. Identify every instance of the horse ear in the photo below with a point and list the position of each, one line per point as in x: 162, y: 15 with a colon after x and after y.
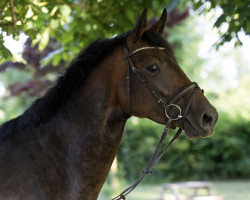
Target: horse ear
x: 159, y: 26
x: 140, y: 26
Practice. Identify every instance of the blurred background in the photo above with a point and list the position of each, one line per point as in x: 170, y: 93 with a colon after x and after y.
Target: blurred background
x: 211, y: 41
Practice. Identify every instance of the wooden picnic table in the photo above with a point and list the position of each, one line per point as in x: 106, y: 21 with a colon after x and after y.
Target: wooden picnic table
x: 195, y: 185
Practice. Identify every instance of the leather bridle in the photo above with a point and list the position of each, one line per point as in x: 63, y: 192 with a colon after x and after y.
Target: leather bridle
x: 167, y: 106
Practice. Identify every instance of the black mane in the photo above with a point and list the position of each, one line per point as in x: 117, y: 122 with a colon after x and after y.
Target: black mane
x: 73, y: 78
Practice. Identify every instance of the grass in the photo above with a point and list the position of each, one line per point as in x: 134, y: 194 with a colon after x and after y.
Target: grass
x: 229, y: 190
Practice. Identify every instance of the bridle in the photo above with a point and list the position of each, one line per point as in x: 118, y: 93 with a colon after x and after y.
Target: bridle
x: 193, y: 86
x: 167, y: 106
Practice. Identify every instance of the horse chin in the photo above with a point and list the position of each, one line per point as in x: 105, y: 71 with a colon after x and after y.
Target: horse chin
x: 192, y: 132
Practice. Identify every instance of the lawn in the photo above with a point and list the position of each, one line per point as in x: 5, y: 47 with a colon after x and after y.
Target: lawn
x: 229, y: 190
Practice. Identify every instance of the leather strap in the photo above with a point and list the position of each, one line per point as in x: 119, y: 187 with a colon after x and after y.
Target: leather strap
x: 152, y: 162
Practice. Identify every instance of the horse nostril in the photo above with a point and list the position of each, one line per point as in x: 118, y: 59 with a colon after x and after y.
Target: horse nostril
x: 207, y: 120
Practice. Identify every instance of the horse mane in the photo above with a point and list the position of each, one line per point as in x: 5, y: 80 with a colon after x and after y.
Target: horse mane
x: 68, y: 82
x: 71, y: 80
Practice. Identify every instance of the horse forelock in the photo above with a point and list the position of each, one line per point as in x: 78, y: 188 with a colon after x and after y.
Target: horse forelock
x: 155, y: 39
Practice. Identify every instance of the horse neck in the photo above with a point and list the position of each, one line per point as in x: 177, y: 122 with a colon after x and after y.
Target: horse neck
x: 90, y: 128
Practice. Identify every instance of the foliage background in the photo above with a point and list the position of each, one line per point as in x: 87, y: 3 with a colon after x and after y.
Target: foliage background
x: 59, y: 29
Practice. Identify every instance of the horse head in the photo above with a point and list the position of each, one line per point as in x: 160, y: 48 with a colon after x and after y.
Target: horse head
x: 155, y: 80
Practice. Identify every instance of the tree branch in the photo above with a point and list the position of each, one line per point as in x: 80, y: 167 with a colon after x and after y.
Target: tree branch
x: 13, y: 15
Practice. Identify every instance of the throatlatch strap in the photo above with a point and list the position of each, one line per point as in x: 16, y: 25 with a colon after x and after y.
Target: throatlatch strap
x: 128, y: 88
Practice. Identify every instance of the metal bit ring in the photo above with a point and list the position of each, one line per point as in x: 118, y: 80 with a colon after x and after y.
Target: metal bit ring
x: 173, y: 105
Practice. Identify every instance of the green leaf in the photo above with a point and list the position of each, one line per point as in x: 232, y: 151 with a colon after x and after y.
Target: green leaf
x: 220, y: 20
x: 44, y: 39
x: 29, y: 13
x: 65, y: 10
x: 56, y: 59
x: 197, y: 5
x: 54, y: 23
x: 247, y: 27
x: 5, y: 53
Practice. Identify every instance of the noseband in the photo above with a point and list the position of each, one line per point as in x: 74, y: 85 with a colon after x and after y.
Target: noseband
x: 167, y: 106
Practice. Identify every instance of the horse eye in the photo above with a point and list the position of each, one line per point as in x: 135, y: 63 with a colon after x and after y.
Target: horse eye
x: 153, y: 68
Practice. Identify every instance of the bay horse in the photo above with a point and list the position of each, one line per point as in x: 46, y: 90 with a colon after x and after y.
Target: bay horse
x: 63, y: 145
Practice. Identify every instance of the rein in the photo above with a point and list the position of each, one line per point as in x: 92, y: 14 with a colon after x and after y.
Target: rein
x: 167, y: 106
